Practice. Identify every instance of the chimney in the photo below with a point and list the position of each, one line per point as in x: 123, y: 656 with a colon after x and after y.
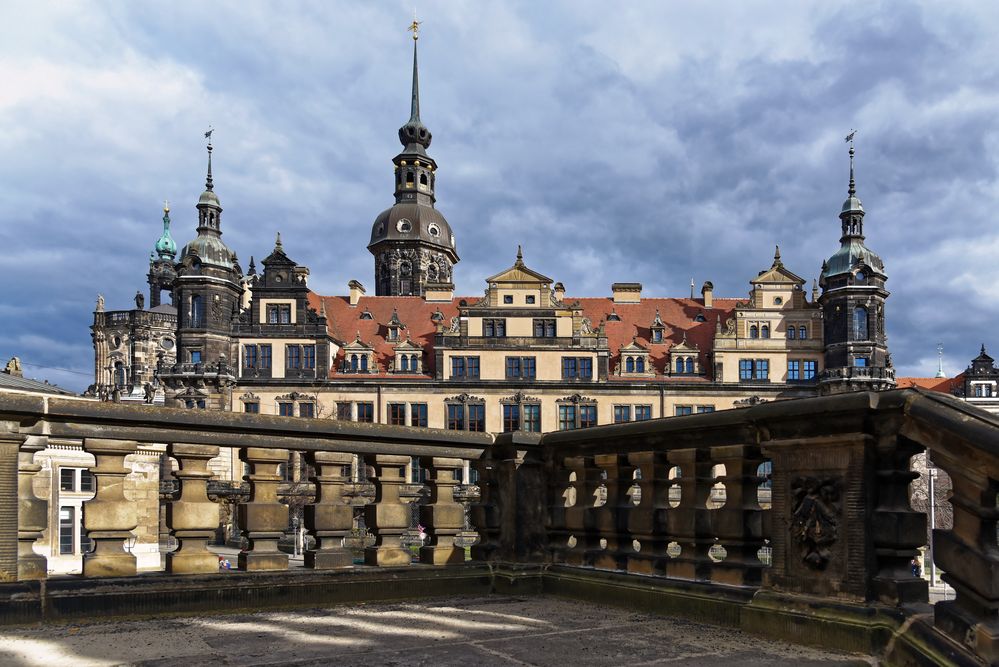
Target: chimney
x: 707, y: 293
x: 559, y: 291
x: 627, y: 292
x: 439, y: 292
x: 356, y: 291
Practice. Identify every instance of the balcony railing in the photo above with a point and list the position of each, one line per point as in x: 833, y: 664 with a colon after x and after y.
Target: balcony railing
x: 791, y: 519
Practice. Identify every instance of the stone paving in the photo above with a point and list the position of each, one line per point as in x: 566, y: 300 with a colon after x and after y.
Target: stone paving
x: 493, y: 630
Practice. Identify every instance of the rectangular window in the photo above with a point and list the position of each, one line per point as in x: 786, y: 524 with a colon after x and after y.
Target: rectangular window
x: 745, y: 369
x: 67, y: 525
x: 494, y: 328
x: 286, y: 409
x: 307, y: 410
x: 544, y: 328
x: 265, y: 356
x: 643, y: 413
x: 343, y: 411
x: 587, y: 416
x: 294, y: 356
x: 249, y: 356
x: 566, y: 417
x: 67, y: 479
x: 418, y: 414
x: 309, y: 357
x: 477, y: 417
x: 521, y: 368
x: 762, y: 370
x: 511, y: 418
x: 577, y: 367
x: 793, y: 370
x: 701, y: 409
x: 397, y: 414
x: 472, y: 367
x: 284, y: 314
x: 253, y: 408
x: 791, y: 332
x: 860, y: 362
x: 810, y: 370
x: 512, y: 367
x: 464, y: 367
x: 195, y: 356
x: 86, y: 481
x: 366, y: 412
x: 528, y: 368
x: 456, y: 417
x: 272, y: 314
x: 622, y: 413
x: 532, y: 418
x: 681, y: 410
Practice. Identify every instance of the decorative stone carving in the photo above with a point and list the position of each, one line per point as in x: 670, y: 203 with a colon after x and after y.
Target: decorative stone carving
x: 815, y: 513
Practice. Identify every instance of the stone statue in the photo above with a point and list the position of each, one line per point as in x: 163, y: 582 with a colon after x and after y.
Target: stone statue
x: 455, y: 325
x: 100, y: 303
x: 149, y: 393
x: 140, y: 300
x: 730, y: 326
x: 585, y: 327
x: 116, y: 394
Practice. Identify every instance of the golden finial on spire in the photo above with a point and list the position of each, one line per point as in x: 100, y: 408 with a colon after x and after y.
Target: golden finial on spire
x: 415, y: 27
x: 166, y: 205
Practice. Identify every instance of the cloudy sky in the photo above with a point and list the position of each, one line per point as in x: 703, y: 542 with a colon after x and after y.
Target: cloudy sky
x: 639, y: 141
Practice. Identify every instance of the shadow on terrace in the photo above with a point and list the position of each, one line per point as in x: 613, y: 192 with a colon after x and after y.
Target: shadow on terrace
x: 661, y: 516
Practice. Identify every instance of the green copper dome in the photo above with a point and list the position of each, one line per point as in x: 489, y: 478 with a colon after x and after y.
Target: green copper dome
x: 165, y: 247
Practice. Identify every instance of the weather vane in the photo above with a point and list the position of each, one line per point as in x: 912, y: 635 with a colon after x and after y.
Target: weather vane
x: 208, y: 135
x: 415, y: 27
x: 849, y: 137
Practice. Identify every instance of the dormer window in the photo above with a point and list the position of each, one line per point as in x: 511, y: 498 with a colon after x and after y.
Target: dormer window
x: 365, y: 315
x: 657, y: 335
x: 613, y: 317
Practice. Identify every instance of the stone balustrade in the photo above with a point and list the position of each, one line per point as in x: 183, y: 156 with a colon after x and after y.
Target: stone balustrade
x: 663, y: 514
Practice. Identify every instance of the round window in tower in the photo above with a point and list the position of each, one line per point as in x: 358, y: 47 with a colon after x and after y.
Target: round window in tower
x: 860, y: 276
x: 404, y: 225
x: 166, y: 343
x: 778, y: 300
x: 434, y: 230
x: 116, y: 341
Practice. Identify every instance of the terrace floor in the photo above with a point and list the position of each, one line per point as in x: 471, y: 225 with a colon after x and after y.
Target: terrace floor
x: 489, y: 630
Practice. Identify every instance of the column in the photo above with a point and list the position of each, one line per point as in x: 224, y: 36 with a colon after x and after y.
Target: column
x: 738, y: 524
x: 109, y: 517
x: 32, y: 511
x: 647, y: 519
x: 262, y: 518
x: 192, y: 518
x: 688, y: 523
x: 611, y: 519
x: 329, y: 519
x: 386, y: 516
x: 442, y: 516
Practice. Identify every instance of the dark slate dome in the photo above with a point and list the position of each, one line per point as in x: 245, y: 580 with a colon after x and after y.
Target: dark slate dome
x: 412, y: 222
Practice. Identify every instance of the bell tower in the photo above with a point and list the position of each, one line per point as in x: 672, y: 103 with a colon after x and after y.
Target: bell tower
x: 161, y: 270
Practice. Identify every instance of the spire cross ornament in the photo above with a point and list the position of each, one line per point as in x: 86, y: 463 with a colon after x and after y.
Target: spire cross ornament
x: 208, y: 136
x: 849, y: 139
x: 414, y: 27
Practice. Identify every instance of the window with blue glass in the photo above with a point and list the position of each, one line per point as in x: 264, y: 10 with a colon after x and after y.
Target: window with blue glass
x: 681, y: 410
x: 793, y: 371
x: 494, y: 328
x: 745, y: 369
x: 622, y: 413
x: 643, y: 413
x: 809, y: 370
x: 544, y: 328
x: 464, y: 367
x: 577, y: 368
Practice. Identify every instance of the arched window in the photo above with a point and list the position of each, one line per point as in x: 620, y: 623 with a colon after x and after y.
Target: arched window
x: 690, y: 364
x: 791, y: 332
x: 765, y: 331
x: 404, y: 362
x: 860, y: 323
x: 119, y: 374
x: 197, y: 311
x: 640, y: 365
x: 423, y: 180
x: 353, y: 362
x: 409, y: 178
x: 754, y: 331
x: 802, y: 333
x: 412, y: 362
x: 364, y: 362
x: 679, y: 364
x: 630, y: 365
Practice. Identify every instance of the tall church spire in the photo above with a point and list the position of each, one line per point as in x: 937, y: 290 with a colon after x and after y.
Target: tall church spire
x: 414, y: 135
x: 852, y: 213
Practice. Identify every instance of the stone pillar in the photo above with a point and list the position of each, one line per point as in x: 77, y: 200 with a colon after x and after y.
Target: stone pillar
x: 262, y: 518
x: 486, y: 512
x: 386, y: 516
x: 193, y: 518
x: 689, y: 523
x: 442, y: 516
x: 32, y: 512
x: 611, y: 519
x: 584, y: 539
x: 109, y: 518
x: 329, y: 519
x: 647, y: 520
x: 738, y: 524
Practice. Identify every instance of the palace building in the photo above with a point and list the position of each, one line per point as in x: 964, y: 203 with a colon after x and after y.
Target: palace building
x: 523, y: 353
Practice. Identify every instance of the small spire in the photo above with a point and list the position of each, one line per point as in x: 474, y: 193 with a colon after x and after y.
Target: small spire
x: 983, y: 348
x: 853, y: 186
x: 277, y: 242
x: 940, y: 370
x: 322, y: 307
x: 166, y: 205
x: 252, y: 271
x: 415, y: 108
x: 520, y: 256
x: 208, y: 180
x: 691, y: 287
x: 777, y: 261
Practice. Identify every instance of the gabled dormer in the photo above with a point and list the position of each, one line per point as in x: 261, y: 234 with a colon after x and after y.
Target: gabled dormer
x: 777, y: 288
x: 393, y: 330
x: 359, y: 357
x: 657, y: 330
x: 408, y: 357
x: 684, y: 359
x: 518, y: 287
x: 634, y: 361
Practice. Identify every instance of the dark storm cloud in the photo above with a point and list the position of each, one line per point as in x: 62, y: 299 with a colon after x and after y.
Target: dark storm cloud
x: 659, y: 142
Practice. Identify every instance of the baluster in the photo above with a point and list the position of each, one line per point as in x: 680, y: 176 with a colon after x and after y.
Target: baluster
x: 689, y: 523
x: 32, y: 511
x: 386, y: 516
x: 579, y: 517
x: 329, y: 519
x: 562, y: 494
x: 969, y: 556
x: 262, y: 519
x: 192, y: 518
x: 109, y: 518
x: 647, y: 520
x: 738, y: 524
x: 442, y: 516
x: 611, y: 519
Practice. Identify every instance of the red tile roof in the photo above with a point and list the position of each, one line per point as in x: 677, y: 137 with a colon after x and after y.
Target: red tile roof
x: 944, y: 385
x: 344, y: 322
